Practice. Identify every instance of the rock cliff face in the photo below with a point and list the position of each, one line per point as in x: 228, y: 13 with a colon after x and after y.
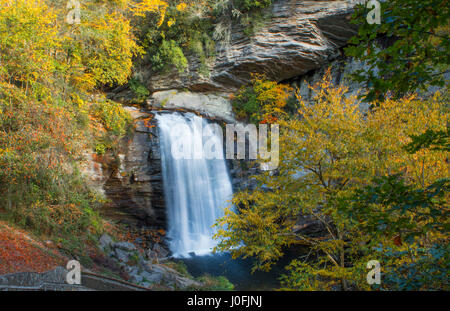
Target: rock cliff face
x: 299, y: 36
x: 131, y: 178
x: 135, y: 186
x: 340, y: 70
x: 213, y: 106
x: 299, y: 39
x: 218, y: 105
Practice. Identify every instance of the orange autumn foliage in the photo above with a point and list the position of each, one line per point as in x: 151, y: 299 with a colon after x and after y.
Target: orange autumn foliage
x: 21, y: 253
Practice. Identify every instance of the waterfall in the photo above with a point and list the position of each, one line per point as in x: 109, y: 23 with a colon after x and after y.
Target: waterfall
x: 196, y: 188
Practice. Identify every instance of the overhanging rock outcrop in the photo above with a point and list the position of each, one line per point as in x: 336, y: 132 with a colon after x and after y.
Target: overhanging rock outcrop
x: 216, y: 106
x: 299, y: 36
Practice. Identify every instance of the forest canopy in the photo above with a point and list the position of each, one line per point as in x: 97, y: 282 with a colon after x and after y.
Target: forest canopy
x: 370, y: 172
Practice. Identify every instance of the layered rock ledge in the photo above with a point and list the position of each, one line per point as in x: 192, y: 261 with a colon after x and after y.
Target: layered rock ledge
x: 299, y: 36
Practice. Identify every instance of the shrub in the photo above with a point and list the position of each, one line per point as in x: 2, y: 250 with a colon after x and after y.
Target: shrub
x: 247, y: 5
x: 170, y: 53
x: 263, y: 101
x: 180, y: 267
x: 113, y: 116
x: 218, y: 283
x: 187, y: 30
x: 140, y: 91
x: 40, y: 185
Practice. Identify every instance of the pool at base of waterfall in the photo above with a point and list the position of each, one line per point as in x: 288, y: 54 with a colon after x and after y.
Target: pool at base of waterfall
x: 197, y: 188
x: 238, y: 271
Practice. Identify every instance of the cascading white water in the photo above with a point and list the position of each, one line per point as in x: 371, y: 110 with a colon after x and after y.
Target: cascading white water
x: 196, y: 188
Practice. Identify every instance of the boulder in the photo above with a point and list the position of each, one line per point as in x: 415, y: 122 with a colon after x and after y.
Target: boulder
x: 125, y: 246
x: 135, y: 277
x: 121, y: 255
x: 151, y: 255
x: 183, y: 283
x: 145, y: 265
x: 152, y: 277
x: 105, y: 242
x: 162, y: 270
x: 160, y: 251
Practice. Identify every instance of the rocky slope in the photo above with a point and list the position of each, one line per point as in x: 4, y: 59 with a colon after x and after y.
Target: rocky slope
x: 140, y: 269
x: 145, y: 267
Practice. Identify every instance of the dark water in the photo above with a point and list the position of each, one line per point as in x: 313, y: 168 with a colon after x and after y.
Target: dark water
x: 238, y: 271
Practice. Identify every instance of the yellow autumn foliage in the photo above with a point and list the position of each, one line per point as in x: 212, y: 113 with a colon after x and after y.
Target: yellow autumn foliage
x: 328, y: 150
